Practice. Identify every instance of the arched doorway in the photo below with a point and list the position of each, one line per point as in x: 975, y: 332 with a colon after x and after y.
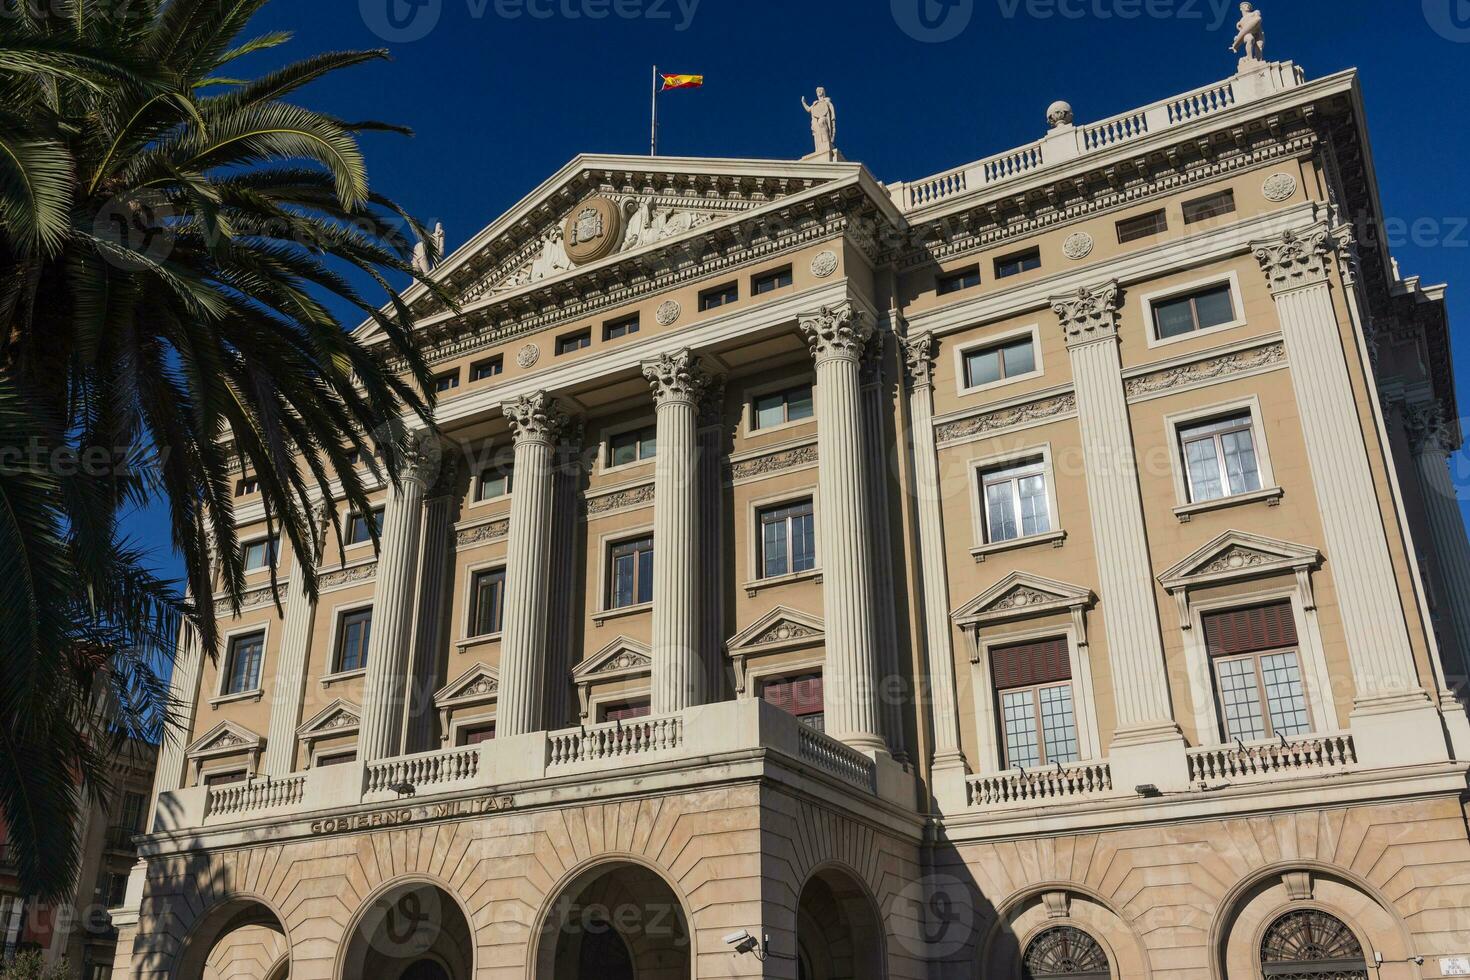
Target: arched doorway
x: 237, y: 939
x: 1065, y: 951
x: 413, y: 931
x: 1309, y: 944
x: 618, y: 921
x: 838, y: 933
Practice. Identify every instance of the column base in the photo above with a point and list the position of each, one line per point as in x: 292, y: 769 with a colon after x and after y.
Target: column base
x: 1398, y: 730
x: 1149, y: 755
x: 947, y: 784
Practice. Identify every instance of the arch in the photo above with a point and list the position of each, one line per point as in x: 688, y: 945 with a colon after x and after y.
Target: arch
x: 620, y: 912
x: 1264, y: 897
x: 1032, y: 912
x: 410, y: 928
x: 240, y: 932
x: 839, y: 930
x: 1310, y: 942
x: 1065, y: 951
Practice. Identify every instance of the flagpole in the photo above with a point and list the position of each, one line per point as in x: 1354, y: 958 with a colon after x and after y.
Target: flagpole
x: 653, y: 129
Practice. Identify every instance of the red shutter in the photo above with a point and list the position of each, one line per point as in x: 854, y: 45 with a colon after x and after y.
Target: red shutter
x: 1024, y: 664
x: 625, y: 712
x: 1251, y: 629
x: 799, y: 696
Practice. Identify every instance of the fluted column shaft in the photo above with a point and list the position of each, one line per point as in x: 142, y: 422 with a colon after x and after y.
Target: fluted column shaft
x: 536, y: 423
x: 938, y: 637
x: 836, y: 337
x: 711, y: 541
x: 183, y: 690
x: 289, y: 690
x: 566, y: 529
x: 390, y: 643
x: 678, y: 674
x: 432, y: 608
x: 1447, y: 530
x: 1089, y: 322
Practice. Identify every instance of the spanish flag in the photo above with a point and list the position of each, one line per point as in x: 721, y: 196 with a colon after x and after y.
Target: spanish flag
x: 682, y: 81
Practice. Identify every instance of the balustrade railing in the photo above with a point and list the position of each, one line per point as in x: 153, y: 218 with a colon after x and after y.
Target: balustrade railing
x: 258, y: 794
x: 1056, y: 784
x: 616, y: 740
x: 1292, y: 757
x: 420, y: 771
x: 836, y: 759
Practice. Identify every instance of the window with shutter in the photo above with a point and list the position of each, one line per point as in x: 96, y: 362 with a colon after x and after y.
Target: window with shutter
x: 1257, y: 668
x: 800, y: 696
x: 1033, y: 685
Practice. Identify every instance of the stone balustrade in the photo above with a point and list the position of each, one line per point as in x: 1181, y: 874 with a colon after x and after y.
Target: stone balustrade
x: 1041, y: 787
x: 836, y: 759
x: 240, y: 799
x: 616, y: 740
x: 1271, y: 760
x: 423, y: 771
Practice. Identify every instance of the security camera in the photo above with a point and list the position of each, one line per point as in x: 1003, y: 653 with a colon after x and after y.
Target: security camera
x: 742, y: 941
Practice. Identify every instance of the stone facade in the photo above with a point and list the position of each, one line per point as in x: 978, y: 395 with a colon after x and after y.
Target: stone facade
x: 1045, y: 568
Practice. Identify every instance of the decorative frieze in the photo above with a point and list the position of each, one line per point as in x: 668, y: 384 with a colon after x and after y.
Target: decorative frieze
x: 351, y: 575
x: 251, y: 599
x: 482, y: 533
x: 786, y: 459
x: 1089, y: 315
x: 1209, y: 369
x: 1041, y: 410
x: 639, y: 496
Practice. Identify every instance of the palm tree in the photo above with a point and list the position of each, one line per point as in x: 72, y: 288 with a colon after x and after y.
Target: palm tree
x: 168, y: 235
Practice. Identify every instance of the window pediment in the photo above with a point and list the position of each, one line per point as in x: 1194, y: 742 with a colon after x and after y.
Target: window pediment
x: 1236, y: 555
x: 341, y: 717
x: 780, y: 629
x: 226, y: 738
x: 622, y: 657
x: 479, y: 684
x: 1021, y: 595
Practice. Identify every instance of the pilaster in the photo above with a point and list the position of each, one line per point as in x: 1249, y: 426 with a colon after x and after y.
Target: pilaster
x: 289, y: 690
x: 712, y: 538
x: 566, y: 530
x: 434, y: 579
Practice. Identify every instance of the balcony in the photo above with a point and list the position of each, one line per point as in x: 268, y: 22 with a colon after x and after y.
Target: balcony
x: 1266, y: 761
x: 120, y: 839
x: 656, y: 751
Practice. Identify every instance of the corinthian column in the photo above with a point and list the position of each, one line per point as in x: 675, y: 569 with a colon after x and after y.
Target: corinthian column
x: 536, y: 423
x: 836, y: 337
x: 1432, y: 442
x: 938, y: 637
x: 1391, y: 702
x: 678, y: 675
x: 390, y: 643
x: 433, y: 610
x: 1147, y: 745
x: 289, y: 690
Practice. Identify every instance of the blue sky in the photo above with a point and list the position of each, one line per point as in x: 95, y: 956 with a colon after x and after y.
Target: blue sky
x: 501, y: 93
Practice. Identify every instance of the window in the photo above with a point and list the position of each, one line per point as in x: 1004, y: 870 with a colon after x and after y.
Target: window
x: 1014, y: 265
x: 335, y: 759
x: 352, y: 457
x: 1312, y: 943
x: 1033, y: 684
x: 1220, y: 458
x: 476, y: 734
x: 117, y: 889
x: 770, y: 281
x: 620, y: 328
x: 800, y: 696
x: 247, y: 486
x: 713, y: 299
x: 998, y: 362
x: 224, y: 778
x: 780, y: 407
x: 100, y: 971
x: 953, y: 282
x: 1132, y: 229
x: 1258, y: 674
x: 261, y: 554
x: 1212, y: 307
x: 569, y: 342
x: 488, y: 368
x: 1204, y: 208
x: 623, y: 711
x: 360, y: 527
x: 353, y: 632
x: 788, y: 542
x: 242, y: 666
x: 132, y: 812
x: 632, y: 446
x: 1014, y: 502
x: 494, y: 483
x: 630, y: 578
x: 446, y: 382
x: 1065, y: 951
x: 487, y: 590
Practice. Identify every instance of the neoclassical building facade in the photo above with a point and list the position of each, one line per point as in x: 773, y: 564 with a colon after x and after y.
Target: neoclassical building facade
x: 1047, y: 568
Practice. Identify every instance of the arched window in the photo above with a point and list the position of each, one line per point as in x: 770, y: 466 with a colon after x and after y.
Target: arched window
x: 1065, y: 952
x: 1312, y: 945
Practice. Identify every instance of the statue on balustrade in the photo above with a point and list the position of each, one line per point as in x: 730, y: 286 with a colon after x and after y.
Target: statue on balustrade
x: 824, y: 123
x: 1250, y: 32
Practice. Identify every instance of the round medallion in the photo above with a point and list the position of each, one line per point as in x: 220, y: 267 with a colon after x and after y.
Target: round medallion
x: 824, y: 264
x: 1279, y: 187
x: 528, y: 356
x: 667, y: 312
x: 1078, y: 245
x: 593, y: 230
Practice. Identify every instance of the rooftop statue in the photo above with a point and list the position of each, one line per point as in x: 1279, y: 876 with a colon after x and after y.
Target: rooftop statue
x: 824, y: 123
x: 1250, y: 32
x: 421, y: 263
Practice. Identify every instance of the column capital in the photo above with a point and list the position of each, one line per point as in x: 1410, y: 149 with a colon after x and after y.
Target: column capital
x: 712, y: 405
x: 1090, y: 314
x: 535, y: 417
x: 918, y: 359
x: 676, y: 377
x: 1427, y: 426
x: 1296, y: 258
x: 836, y: 333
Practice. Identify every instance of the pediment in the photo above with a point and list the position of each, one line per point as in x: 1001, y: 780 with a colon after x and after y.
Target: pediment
x: 622, y: 657
x: 641, y: 204
x: 781, y: 627
x: 480, y: 683
x: 1237, y: 555
x: 1021, y: 594
x: 341, y: 717
x: 226, y: 738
